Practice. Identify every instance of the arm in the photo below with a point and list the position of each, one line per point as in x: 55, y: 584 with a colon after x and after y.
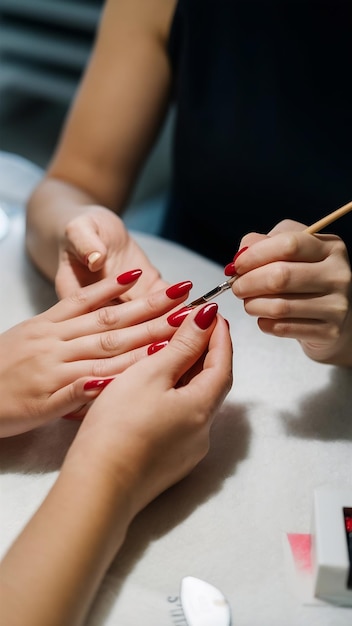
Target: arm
x: 299, y: 286
x: 114, y: 119
x: 124, y: 455
x: 57, y: 362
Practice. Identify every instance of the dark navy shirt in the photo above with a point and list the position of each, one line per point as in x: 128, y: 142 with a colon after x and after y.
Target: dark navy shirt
x: 263, y: 132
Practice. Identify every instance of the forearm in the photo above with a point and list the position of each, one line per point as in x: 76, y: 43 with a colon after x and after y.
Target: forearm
x: 51, y: 573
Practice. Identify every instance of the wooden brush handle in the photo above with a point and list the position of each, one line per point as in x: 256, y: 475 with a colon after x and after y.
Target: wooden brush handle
x: 328, y: 219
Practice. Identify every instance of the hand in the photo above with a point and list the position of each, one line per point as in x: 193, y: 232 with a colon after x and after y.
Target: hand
x: 299, y: 286
x: 96, y: 245
x: 150, y: 426
x: 58, y: 361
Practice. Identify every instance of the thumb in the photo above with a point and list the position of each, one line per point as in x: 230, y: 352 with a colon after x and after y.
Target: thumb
x: 85, y: 243
x: 188, y: 344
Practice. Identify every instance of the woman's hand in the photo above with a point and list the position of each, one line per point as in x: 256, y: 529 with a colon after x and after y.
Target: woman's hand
x: 95, y: 245
x: 57, y: 362
x: 150, y: 426
x: 299, y: 286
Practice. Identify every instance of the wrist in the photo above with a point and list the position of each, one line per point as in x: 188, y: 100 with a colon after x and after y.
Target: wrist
x: 113, y: 478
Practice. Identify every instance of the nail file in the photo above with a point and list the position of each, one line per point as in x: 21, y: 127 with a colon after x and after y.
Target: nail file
x: 203, y: 604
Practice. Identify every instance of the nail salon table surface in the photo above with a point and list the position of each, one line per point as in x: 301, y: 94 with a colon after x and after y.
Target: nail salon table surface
x: 285, y: 429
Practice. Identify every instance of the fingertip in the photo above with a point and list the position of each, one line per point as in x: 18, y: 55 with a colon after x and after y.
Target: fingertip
x: 93, y: 260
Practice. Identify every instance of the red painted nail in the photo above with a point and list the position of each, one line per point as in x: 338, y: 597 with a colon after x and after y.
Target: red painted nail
x: 230, y: 269
x: 128, y: 277
x: 155, y: 347
x: 178, y: 290
x: 206, y: 315
x: 239, y: 252
x: 176, y: 319
x: 97, y: 384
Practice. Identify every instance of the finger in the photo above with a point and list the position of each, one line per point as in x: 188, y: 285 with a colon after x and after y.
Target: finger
x: 214, y: 381
x: 128, y: 314
x: 286, y: 246
x: 85, y: 243
x: 75, y: 397
x: 118, y: 342
x: 188, y: 344
x: 284, y: 278
x: 90, y: 298
x: 301, y: 329
x: 306, y: 306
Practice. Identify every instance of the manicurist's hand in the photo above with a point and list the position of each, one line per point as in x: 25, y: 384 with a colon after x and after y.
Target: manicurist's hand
x: 95, y: 245
x: 57, y: 362
x: 73, y: 234
x: 298, y: 285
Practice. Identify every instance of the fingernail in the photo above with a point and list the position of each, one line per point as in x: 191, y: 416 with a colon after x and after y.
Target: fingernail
x: 129, y: 277
x: 97, y: 384
x: 230, y: 269
x: 155, y: 347
x: 176, y: 319
x: 178, y: 290
x: 239, y: 252
x: 206, y: 315
x: 93, y: 257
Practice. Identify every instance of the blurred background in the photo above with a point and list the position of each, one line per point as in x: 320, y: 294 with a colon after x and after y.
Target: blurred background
x: 44, y: 46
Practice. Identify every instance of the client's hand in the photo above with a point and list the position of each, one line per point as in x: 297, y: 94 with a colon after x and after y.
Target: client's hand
x: 58, y: 361
x: 150, y: 426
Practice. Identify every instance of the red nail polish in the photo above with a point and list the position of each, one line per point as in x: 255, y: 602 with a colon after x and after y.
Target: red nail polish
x: 178, y: 290
x: 128, y: 277
x: 239, y: 252
x: 206, y: 315
x: 230, y: 269
x: 97, y: 384
x: 155, y: 347
x: 176, y: 319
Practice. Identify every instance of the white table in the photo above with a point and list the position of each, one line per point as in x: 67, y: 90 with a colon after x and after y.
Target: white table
x: 285, y: 428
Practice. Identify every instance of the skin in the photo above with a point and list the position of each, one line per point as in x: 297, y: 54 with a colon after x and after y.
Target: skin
x: 46, y: 361
x: 299, y: 285
x: 112, y: 125
x: 114, y: 119
x: 144, y: 432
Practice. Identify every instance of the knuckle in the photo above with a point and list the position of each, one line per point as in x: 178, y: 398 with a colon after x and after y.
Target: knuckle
x: 107, y: 317
x: 100, y: 368
x: 187, y: 345
x: 280, y: 308
x: 279, y: 277
x: 109, y: 342
x: 79, y: 297
x: 282, y: 329
x: 290, y: 244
